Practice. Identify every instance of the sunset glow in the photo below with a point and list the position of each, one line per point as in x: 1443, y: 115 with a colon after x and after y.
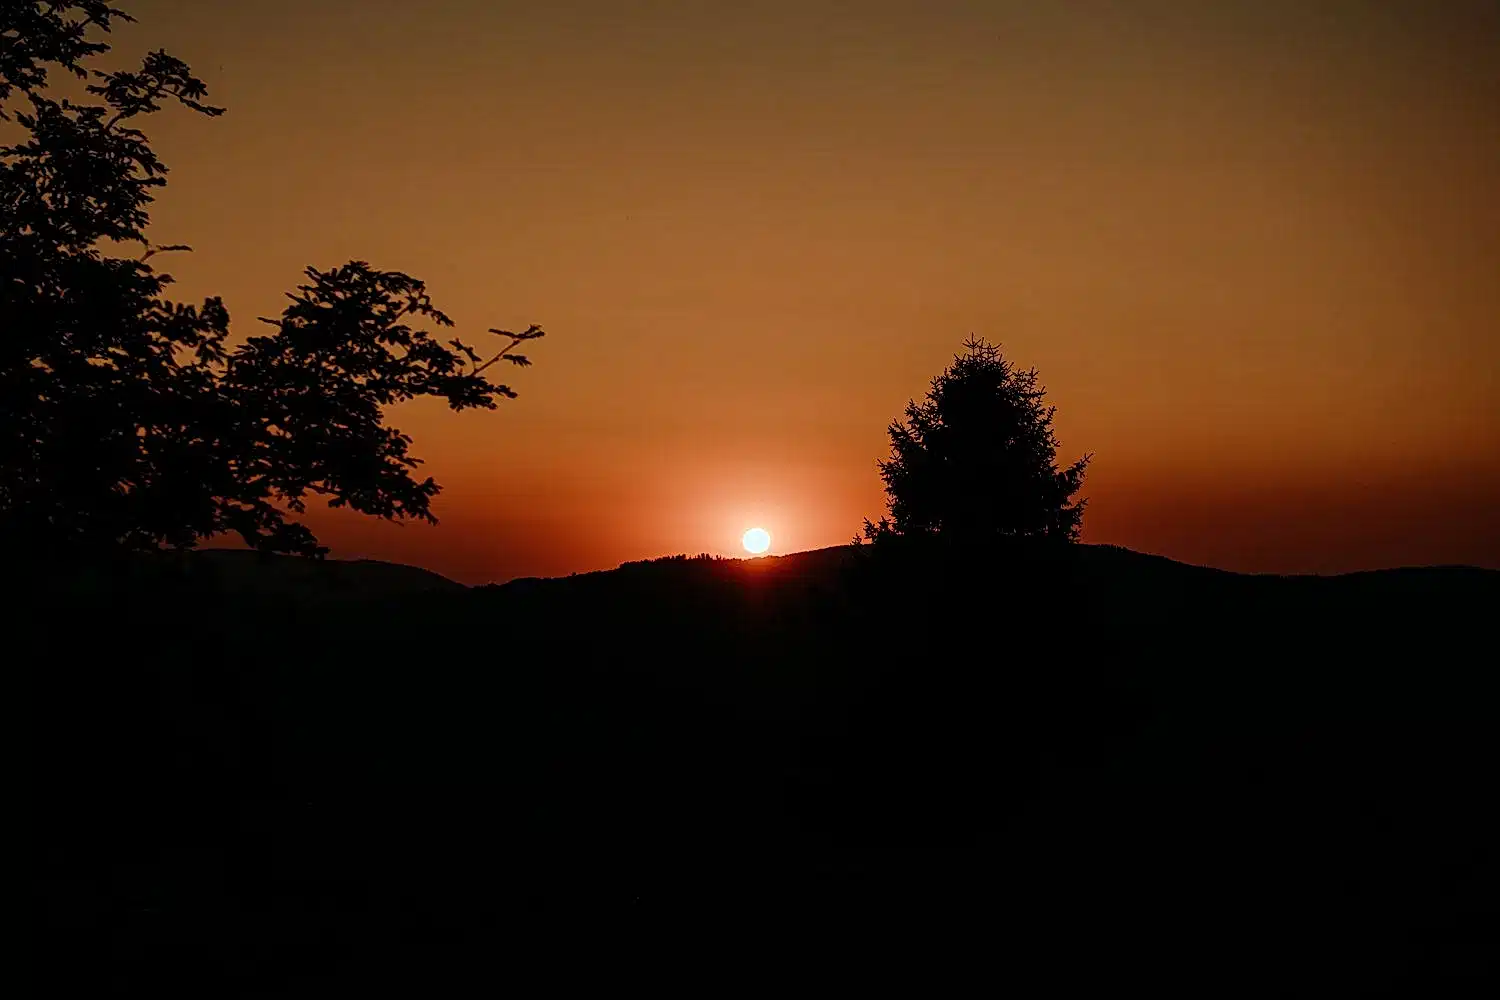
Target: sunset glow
x: 1250, y: 252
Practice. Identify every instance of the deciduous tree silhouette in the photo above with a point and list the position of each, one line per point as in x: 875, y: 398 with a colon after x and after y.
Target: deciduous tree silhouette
x: 126, y: 419
x: 977, y: 459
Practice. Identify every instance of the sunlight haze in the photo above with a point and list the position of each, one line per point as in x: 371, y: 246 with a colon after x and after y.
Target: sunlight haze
x: 1252, y: 248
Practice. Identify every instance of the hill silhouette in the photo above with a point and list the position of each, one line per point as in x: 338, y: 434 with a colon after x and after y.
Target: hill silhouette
x: 242, y: 573
x: 246, y: 571
x: 1089, y: 765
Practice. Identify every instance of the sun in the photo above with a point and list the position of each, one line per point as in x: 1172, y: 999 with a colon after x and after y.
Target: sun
x: 756, y: 540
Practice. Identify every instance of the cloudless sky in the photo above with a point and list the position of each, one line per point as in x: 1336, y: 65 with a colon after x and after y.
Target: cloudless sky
x: 1253, y: 248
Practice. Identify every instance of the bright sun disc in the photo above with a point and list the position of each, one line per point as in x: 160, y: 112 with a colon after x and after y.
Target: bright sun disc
x: 756, y: 540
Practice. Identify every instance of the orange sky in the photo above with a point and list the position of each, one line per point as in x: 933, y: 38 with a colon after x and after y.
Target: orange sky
x: 1253, y: 247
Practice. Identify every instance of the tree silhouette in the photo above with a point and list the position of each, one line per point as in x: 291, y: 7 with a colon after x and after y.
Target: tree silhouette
x: 977, y: 459
x: 126, y: 419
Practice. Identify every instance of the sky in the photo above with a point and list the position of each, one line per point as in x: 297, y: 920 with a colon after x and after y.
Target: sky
x: 1252, y: 247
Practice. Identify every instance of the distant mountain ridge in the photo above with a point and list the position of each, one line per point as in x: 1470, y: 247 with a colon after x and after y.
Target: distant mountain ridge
x: 1094, y: 559
x: 240, y: 571
x: 244, y: 573
x: 1118, y: 571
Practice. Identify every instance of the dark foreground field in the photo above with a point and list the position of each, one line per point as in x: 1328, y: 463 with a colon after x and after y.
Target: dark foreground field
x: 827, y: 771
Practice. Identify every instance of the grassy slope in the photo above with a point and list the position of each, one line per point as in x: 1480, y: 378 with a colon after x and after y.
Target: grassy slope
x: 1107, y: 764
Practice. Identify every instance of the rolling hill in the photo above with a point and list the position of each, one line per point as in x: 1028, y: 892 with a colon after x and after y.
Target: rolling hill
x: 1086, y: 766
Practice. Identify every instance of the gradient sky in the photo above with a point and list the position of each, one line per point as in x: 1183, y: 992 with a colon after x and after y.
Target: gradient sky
x: 1253, y: 247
